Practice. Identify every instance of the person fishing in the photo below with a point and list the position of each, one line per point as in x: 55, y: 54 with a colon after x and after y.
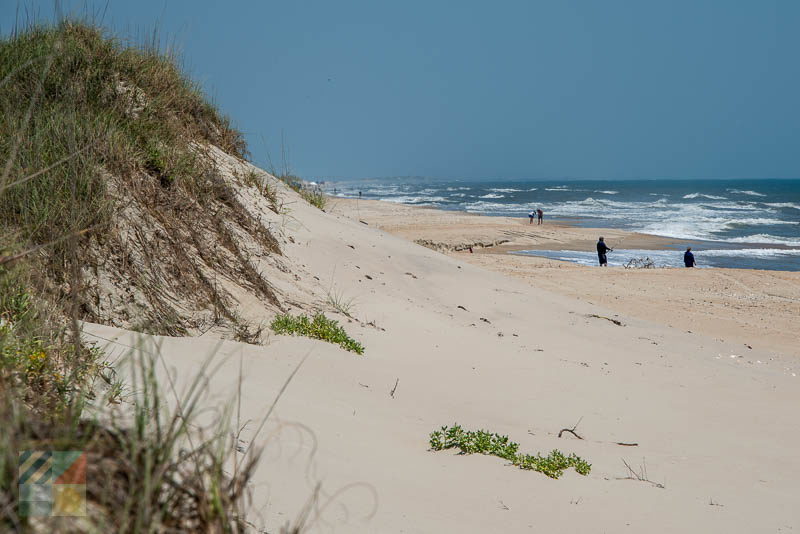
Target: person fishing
x: 602, y: 249
x: 688, y: 258
x: 540, y: 213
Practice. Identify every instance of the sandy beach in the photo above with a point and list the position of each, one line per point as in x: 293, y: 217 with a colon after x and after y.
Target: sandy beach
x: 190, y: 343
x: 516, y: 346
x: 750, y: 307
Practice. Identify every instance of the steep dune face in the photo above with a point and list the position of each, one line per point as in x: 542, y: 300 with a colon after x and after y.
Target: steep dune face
x: 450, y: 342
x: 172, y: 264
x: 177, y: 263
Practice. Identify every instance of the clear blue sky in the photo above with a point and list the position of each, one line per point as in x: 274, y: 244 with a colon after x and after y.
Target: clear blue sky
x: 505, y: 89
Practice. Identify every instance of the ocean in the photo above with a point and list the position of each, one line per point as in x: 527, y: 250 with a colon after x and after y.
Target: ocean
x: 730, y: 223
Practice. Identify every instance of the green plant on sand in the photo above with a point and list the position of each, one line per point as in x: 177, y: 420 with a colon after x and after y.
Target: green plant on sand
x: 483, y: 442
x: 318, y: 327
x: 312, y: 195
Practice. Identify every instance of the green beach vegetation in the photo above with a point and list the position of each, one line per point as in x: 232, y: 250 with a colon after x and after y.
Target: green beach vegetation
x: 316, y: 327
x: 484, y: 442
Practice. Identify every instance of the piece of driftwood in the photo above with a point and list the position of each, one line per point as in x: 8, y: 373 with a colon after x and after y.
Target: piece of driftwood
x: 615, y: 321
x: 572, y: 430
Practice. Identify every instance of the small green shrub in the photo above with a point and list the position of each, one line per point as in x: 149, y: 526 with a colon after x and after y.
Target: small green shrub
x: 318, y: 327
x: 483, y: 442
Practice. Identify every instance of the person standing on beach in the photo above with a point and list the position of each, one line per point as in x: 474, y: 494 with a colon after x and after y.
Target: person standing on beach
x: 530, y: 216
x: 540, y: 213
x: 602, y: 249
x: 688, y: 258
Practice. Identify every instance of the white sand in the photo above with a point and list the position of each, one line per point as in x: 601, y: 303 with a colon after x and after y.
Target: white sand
x: 710, y: 427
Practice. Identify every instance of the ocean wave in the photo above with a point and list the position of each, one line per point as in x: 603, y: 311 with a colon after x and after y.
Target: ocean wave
x: 607, y: 192
x: 413, y: 200
x: 701, y: 195
x: 783, y: 205
x: 765, y: 238
x: 708, y: 228
x: 504, y: 190
x: 481, y: 206
x: 378, y: 190
x: 764, y: 252
x: 740, y: 192
x: 492, y: 195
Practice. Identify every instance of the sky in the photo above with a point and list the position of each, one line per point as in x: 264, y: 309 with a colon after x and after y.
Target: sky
x: 529, y: 89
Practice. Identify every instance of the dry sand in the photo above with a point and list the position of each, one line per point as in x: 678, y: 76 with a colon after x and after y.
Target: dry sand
x: 751, y: 307
x: 716, y: 423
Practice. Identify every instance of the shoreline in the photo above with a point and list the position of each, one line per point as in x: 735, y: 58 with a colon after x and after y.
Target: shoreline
x: 453, y: 228
x: 752, y: 306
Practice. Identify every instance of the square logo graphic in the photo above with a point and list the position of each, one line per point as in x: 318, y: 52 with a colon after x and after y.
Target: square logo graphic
x: 52, y: 483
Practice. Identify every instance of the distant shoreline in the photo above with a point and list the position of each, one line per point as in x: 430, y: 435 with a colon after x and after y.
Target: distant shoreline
x: 638, y: 240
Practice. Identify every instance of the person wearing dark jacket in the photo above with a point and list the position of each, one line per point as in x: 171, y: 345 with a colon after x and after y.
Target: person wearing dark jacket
x: 688, y: 258
x: 602, y: 249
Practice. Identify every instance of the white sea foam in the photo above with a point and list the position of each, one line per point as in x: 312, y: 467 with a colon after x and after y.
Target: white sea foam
x: 751, y: 193
x: 379, y: 190
x: 491, y: 195
x: 783, y: 205
x: 504, y: 190
x: 765, y: 238
x: 663, y: 258
x: 701, y: 195
x: 607, y: 192
x: 407, y: 199
x: 749, y: 252
x: 481, y: 206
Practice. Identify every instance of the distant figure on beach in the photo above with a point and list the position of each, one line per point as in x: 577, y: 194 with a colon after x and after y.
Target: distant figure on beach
x: 530, y: 216
x: 540, y: 213
x: 602, y: 249
x: 688, y: 258
x: 359, y: 194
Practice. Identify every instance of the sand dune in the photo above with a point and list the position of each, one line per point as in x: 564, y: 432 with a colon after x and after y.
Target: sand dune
x: 715, y: 422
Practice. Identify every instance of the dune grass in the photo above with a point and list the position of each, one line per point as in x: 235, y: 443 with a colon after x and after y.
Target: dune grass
x: 77, y: 105
x: 317, y: 327
x: 77, y: 102
x: 483, y: 442
x: 312, y: 195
